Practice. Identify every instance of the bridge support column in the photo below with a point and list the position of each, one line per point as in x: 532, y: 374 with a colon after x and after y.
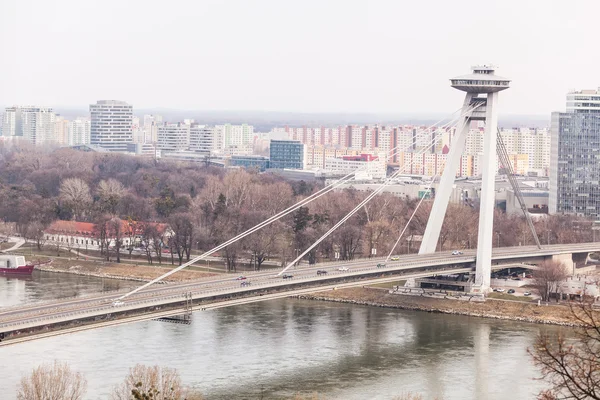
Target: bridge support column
x: 567, y: 261
x: 483, y: 266
x: 482, y: 87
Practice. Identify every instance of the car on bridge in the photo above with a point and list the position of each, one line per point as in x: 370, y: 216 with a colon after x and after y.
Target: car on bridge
x: 343, y: 269
x: 117, y: 303
x: 395, y: 258
x: 527, y: 294
x: 240, y: 278
x: 245, y: 283
x: 286, y: 276
x: 457, y: 253
x: 321, y: 272
x: 381, y: 265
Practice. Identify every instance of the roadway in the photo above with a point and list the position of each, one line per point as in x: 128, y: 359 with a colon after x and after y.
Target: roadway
x: 212, y: 292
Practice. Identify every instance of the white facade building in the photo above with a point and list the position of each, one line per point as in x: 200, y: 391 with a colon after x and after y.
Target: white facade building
x: 79, y: 131
x: 202, y: 139
x: 367, y: 169
x: 234, y: 135
x: 111, y: 124
x: 32, y: 123
x: 174, y: 137
x: 150, y: 127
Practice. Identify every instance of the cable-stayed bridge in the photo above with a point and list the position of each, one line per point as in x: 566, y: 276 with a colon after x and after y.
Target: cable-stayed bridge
x: 148, y: 301
x: 48, y: 319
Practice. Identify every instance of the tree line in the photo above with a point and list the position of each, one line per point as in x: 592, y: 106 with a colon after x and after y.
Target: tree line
x: 205, y: 206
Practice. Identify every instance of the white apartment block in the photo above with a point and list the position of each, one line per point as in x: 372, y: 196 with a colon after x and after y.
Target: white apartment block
x: 150, y: 127
x: 61, y: 131
x: 366, y: 170
x: 202, y: 139
x: 32, y: 123
x: 111, y: 124
x: 173, y: 137
x: 79, y: 131
x: 234, y: 135
x: 137, y: 131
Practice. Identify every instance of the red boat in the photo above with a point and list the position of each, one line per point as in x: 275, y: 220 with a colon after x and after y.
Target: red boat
x: 14, y: 265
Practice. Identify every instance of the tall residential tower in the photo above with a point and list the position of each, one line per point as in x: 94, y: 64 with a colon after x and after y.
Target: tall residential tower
x: 111, y: 124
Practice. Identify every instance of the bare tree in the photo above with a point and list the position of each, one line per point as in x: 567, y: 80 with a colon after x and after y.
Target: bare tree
x: 117, y: 232
x: 144, y: 382
x: 35, y: 234
x: 147, y: 231
x: 158, y: 238
x: 102, y: 232
x: 109, y: 193
x: 75, y: 193
x: 571, y: 366
x: 547, y: 278
x: 52, y: 381
x: 183, y: 235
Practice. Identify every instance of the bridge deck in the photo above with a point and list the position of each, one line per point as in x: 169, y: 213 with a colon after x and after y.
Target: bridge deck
x: 214, y: 292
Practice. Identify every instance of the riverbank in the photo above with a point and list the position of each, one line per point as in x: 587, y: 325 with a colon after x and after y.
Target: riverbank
x: 132, y: 272
x: 491, y: 308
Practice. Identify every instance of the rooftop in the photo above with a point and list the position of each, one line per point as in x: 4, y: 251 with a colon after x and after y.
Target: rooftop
x: 481, y: 80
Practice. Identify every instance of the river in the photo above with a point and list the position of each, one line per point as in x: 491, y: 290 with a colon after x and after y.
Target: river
x: 276, y: 349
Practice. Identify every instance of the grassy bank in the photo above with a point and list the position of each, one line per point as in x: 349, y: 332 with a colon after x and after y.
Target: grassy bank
x: 491, y: 308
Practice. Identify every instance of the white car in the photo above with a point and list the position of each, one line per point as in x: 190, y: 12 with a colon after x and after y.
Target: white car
x: 499, y: 290
x: 457, y: 253
x: 343, y: 269
x: 117, y: 303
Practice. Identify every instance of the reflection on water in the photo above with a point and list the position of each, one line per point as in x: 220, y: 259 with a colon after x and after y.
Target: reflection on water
x: 275, y: 349
x: 44, y: 286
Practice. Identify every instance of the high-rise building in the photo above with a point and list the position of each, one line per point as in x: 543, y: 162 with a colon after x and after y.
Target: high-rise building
x: 234, y: 135
x: 151, y: 124
x: 79, y: 131
x: 202, y: 139
x: 575, y: 150
x: 32, y: 123
x: 111, y: 124
x: 290, y: 154
x: 174, y: 137
x: 61, y: 131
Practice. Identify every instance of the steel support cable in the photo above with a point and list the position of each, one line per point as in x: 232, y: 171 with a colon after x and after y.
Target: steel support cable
x: 505, y: 160
x: 415, y: 211
x: 365, y: 201
x: 261, y: 225
x: 411, y: 217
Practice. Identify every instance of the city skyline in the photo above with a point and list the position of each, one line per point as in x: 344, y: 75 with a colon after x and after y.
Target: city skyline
x: 340, y: 57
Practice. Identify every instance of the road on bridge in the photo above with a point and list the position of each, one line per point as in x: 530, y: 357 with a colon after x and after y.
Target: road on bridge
x: 255, y: 285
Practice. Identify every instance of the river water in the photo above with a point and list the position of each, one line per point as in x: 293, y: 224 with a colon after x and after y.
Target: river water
x: 276, y: 349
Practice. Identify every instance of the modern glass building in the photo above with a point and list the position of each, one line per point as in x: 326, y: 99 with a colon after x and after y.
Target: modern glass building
x: 575, y: 156
x: 288, y: 154
x: 258, y: 162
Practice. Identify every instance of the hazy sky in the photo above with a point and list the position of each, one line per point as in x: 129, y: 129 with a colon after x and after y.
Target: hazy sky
x: 303, y: 55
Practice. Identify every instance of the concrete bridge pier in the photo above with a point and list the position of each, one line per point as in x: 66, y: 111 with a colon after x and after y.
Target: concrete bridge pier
x: 572, y: 261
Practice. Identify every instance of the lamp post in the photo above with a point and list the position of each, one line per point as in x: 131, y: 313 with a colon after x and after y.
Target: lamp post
x: 498, y: 236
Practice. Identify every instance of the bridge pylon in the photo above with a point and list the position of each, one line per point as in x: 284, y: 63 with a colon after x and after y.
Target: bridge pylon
x: 481, y: 100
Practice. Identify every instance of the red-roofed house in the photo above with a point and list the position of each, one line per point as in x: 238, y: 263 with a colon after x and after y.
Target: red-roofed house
x: 83, y: 234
